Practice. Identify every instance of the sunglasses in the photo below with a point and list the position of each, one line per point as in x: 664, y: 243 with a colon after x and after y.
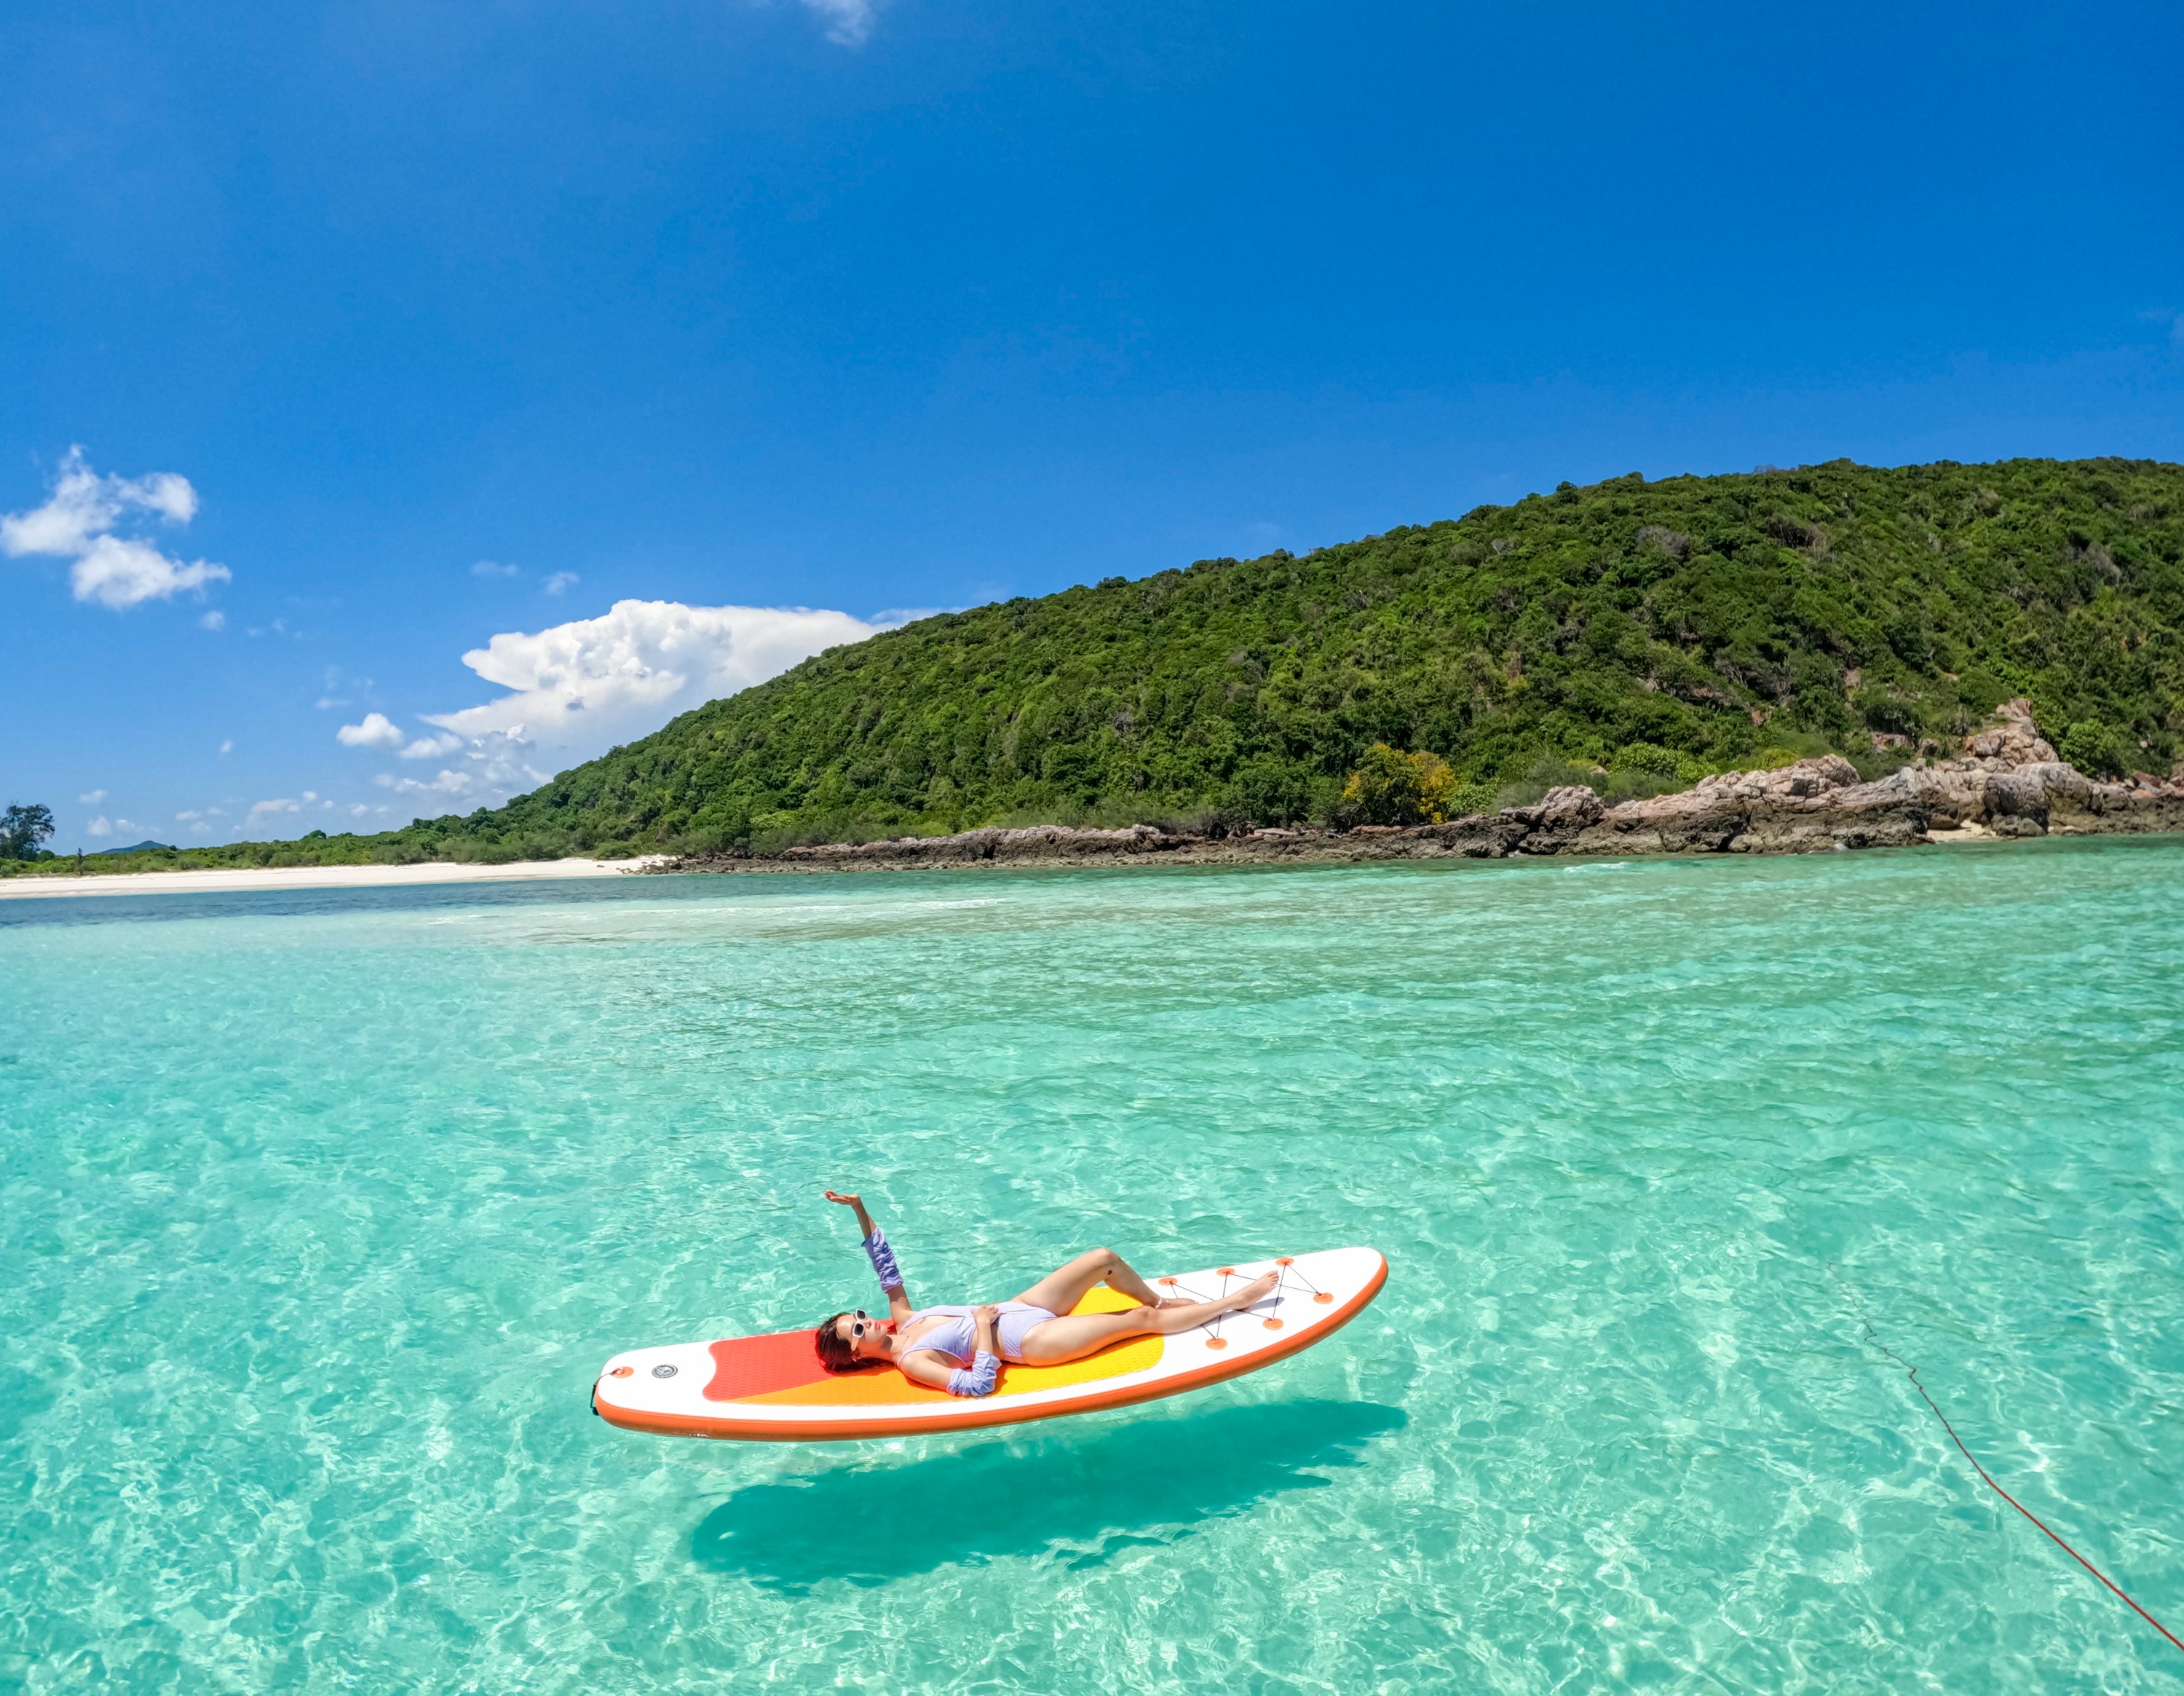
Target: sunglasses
x: 859, y: 1322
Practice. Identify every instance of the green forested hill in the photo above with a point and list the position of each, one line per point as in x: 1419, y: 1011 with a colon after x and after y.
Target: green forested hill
x: 1670, y: 627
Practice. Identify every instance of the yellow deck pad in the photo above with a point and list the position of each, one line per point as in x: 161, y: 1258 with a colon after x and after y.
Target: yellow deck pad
x: 889, y: 1388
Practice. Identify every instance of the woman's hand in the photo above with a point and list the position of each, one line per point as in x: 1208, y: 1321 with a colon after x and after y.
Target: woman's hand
x: 864, y: 1218
x: 988, y: 1320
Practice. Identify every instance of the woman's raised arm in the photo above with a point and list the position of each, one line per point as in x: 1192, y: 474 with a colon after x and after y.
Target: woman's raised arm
x: 881, y: 1256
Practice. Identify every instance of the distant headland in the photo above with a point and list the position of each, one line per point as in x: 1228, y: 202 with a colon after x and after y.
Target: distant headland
x: 1773, y: 659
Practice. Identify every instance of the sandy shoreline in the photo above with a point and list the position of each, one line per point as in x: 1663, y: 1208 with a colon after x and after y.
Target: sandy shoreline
x: 318, y: 878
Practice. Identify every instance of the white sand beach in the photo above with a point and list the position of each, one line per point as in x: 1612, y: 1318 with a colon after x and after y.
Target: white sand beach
x: 318, y: 878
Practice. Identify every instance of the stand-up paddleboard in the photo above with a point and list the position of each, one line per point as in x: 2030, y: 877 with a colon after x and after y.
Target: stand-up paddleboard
x: 772, y: 1389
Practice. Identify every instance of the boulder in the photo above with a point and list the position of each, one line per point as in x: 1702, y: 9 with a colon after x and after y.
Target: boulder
x: 2011, y: 738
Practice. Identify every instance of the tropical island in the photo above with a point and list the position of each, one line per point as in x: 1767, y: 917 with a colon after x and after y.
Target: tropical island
x: 1621, y: 659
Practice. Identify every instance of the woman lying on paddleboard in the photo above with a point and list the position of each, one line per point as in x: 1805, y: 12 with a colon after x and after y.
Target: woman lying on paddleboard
x: 960, y: 1349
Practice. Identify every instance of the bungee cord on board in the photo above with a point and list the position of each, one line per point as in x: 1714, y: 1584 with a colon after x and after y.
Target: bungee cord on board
x: 1873, y: 1336
x: 1285, y: 1268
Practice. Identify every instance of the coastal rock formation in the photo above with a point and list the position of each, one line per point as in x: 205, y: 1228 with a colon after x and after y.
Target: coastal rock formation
x: 973, y: 847
x: 2008, y: 782
x: 1813, y: 804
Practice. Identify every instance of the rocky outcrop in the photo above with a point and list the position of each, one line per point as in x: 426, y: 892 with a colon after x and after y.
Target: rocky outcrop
x: 1812, y: 806
x: 2008, y: 782
x: 2012, y: 739
x: 979, y: 847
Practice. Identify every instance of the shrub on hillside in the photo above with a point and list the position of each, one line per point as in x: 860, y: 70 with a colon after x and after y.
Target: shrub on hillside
x: 1391, y: 787
x: 2096, y: 750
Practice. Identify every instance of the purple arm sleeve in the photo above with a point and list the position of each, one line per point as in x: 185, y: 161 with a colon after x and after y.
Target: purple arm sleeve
x: 979, y: 1381
x: 882, y: 1259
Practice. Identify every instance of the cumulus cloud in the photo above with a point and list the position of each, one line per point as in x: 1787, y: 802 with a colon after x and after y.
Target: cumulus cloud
x: 492, y: 568
x: 90, y: 800
x: 433, y: 747
x: 121, y: 571
x: 560, y: 582
x: 99, y: 826
x: 214, y: 620
x: 578, y: 688
x: 78, y: 522
x: 849, y: 22
x: 377, y: 731
x: 581, y: 687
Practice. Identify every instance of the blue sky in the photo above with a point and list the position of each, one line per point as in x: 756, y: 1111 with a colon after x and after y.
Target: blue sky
x: 459, y: 323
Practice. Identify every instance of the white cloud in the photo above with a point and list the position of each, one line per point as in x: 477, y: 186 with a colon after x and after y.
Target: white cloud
x: 99, y: 826
x: 448, y: 783
x: 433, y: 747
x: 492, y: 568
x: 377, y: 731
x: 228, y: 746
x: 86, y: 505
x: 849, y: 22
x: 214, y: 620
x: 77, y: 523
x: 578, y: 688
x: 119, y: 572
x: 560, y: 582
x: 262, y: 810
x: 581, y: 687
x: 90, y: 800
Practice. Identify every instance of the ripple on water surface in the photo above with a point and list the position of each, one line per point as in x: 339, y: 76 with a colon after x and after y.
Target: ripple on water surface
x: 317, y: 1211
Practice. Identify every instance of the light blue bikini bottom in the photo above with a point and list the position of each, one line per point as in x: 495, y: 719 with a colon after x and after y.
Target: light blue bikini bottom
x: 958, y: 1340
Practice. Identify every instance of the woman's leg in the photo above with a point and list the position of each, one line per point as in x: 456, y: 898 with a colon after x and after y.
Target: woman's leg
x: 1059, y: 1291
x: 1076, y: 1336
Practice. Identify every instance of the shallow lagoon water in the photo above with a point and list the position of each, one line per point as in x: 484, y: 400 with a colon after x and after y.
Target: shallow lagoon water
x: 318, y: 1212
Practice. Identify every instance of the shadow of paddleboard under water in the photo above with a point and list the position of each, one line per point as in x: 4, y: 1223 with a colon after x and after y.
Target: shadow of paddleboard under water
x: 1081, y: 1499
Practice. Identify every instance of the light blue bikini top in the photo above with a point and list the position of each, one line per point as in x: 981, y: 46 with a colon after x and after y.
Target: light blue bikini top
x: 958, y: 1341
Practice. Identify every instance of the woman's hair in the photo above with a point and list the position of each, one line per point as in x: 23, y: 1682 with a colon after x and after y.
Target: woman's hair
x: 837, y: 1354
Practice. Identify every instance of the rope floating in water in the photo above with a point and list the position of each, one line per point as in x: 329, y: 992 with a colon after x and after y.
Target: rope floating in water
x: 1987, y: 1478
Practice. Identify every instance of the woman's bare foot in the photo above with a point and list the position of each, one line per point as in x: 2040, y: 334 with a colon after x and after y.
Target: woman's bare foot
x: 1256, y: 1290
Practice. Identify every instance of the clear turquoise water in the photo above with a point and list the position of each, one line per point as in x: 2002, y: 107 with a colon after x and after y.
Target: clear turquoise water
x: 318, y: 1212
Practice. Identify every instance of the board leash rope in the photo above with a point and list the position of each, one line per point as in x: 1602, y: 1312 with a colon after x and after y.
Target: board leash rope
x: 1912, y: 1372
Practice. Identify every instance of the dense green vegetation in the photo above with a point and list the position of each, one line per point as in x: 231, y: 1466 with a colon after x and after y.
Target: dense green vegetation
x: 1655, y: 631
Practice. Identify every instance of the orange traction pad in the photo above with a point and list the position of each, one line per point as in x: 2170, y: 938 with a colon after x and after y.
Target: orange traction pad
x: 783, y: 1369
